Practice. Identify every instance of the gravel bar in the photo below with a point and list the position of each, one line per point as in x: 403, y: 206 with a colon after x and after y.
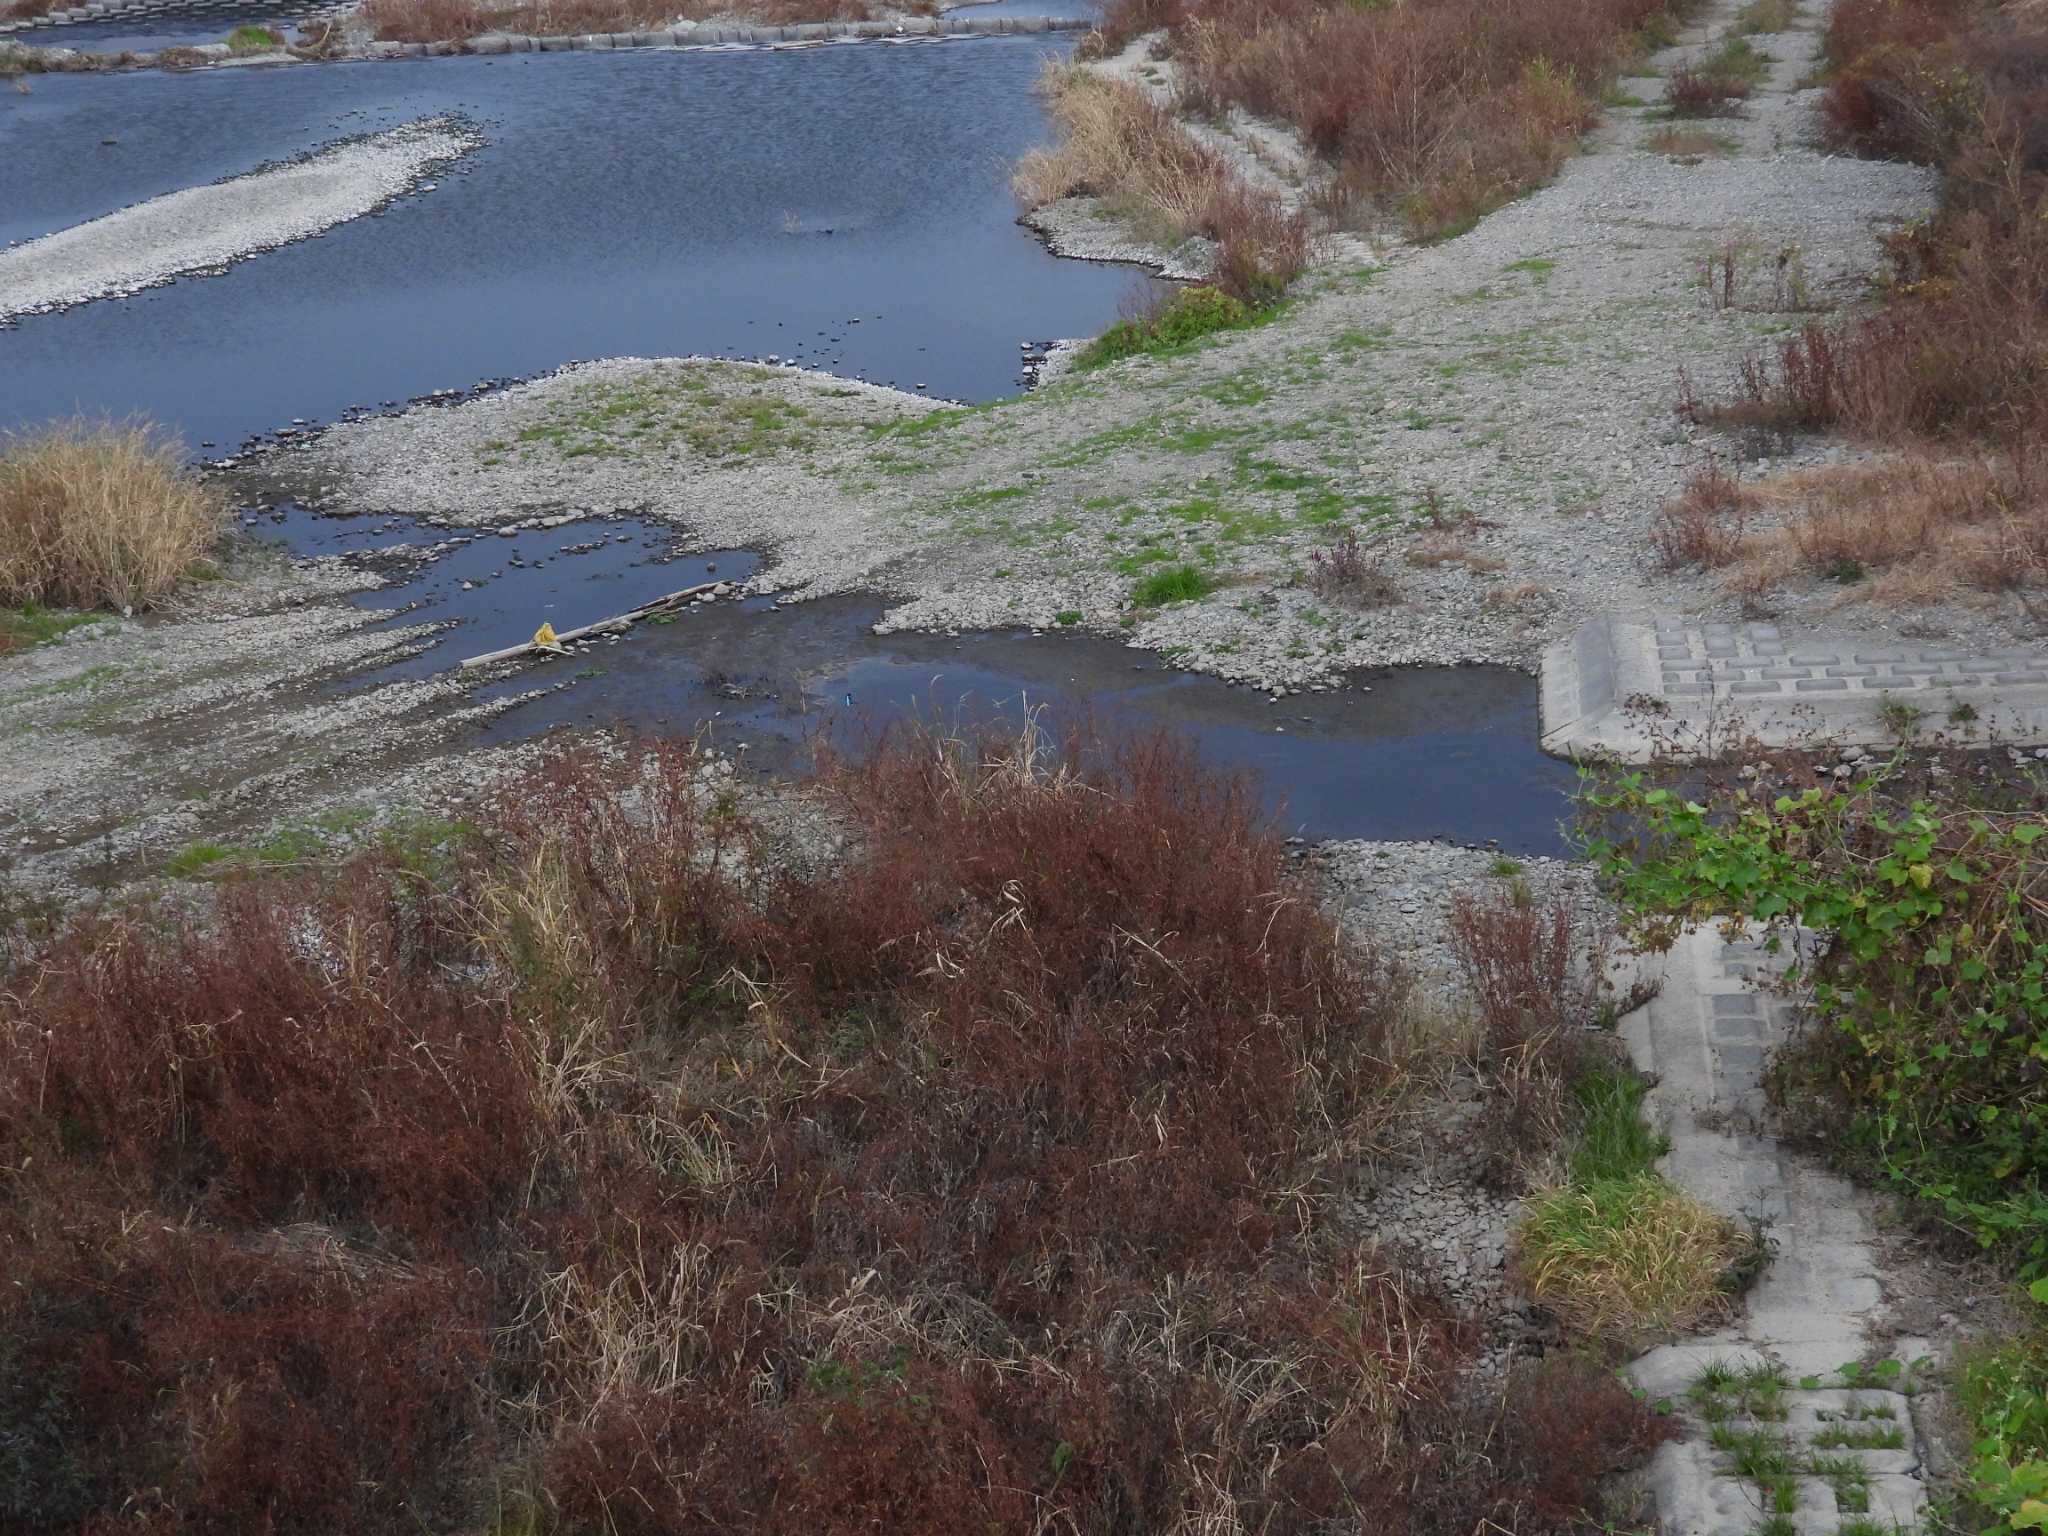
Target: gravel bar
x: 204, y: 229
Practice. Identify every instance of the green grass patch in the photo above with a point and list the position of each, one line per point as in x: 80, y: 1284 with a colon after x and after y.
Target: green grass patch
x: 969, y: 499
x: 253, y: 39
x: 1239, y: 389
x: 195, y: 858
x: 931, y: 422
x: 1859, y: 1437
x: 1190, y: 316
x: 1612, y: 1142
x: 1616, y: 1250
x: 1354, y: 340
x: 722, y: 415
x: 32, y: 624
x: 1178, y: 584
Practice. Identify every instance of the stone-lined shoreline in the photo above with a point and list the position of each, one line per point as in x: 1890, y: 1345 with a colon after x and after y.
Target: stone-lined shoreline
x: 681, y: 39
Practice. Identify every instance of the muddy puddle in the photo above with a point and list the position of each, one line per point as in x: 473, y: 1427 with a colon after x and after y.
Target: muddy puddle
x: 494, y: 590
x: 1436, y: 752
x: 1440, y: 752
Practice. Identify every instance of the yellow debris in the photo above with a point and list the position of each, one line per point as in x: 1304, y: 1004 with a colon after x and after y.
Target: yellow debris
x: 545, y: 635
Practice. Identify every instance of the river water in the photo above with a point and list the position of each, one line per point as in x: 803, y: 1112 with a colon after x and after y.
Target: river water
x: 846, y: 207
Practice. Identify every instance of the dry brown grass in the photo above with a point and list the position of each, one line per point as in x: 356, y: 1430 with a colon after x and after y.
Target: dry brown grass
x: 100, y: 513
x: 1952, y: 373
x: 981, y: 1182
x: 1629, y: 1258
x: 1115, y: 142
x: 1439, y: 112
x: 1434, y: 549
x: 1922, y: 526
x: 1688, y: 143
x: 1703, y: 526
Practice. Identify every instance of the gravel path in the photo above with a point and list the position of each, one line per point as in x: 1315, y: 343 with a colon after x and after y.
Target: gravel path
x: 203, y: 229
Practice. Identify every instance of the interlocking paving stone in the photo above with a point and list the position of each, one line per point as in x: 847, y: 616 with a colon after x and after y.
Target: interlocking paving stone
x: 1702, y: 1039
x: 1635, y: 691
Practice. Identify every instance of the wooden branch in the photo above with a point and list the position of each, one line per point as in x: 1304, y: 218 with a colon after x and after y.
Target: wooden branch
x: 617, y: 621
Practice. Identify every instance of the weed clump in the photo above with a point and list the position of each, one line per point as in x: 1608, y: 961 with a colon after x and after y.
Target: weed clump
x: 1694, y: 93
x: 1175, y: 584
x: 1614, y: 1249
x: 1350, y: 570
x: 100, y: 514
x: 1179, y: 321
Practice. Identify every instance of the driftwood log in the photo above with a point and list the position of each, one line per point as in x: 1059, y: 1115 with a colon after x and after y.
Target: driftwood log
x: 624, y: 620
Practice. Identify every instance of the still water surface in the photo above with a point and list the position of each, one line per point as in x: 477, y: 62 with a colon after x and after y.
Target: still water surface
x: 641, y: 202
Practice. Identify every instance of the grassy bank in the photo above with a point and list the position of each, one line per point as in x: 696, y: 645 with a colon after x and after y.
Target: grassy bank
x: 614, y: 1175
x: 1113, y: 141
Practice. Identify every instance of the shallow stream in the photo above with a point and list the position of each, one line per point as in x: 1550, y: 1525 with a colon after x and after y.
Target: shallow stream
x: 1446, y: 752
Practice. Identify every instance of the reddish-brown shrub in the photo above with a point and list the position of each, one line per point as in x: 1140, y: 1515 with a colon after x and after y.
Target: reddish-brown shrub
x: 1897, y: 85
x: 1263, y: 247
x: 1533, y: 970
x: 1352, y: 571
x: 240, y: 1386
x: 1703, y: 526
x: 290, y: 1058
x: 973, y: 1182
x: 1444, y: 109
x: 1692, y: 93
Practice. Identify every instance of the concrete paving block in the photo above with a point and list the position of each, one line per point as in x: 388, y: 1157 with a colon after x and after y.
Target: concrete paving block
x: 1693, y: 1499
x: 1630, y: 690
x: 1670, y: 1369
